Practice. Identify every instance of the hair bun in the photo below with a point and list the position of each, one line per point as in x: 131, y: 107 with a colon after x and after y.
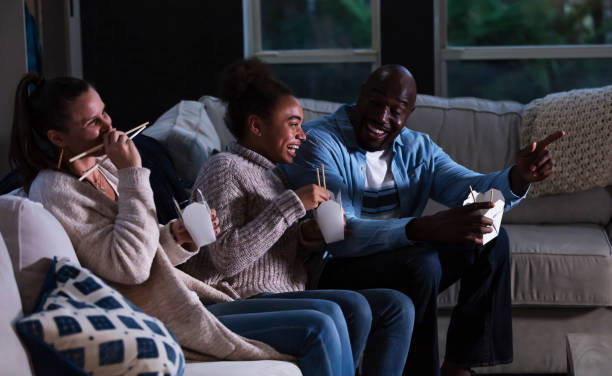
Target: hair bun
x: 243, y: 75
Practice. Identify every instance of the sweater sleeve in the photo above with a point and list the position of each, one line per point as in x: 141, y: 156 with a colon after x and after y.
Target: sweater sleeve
x: 175, y: 252
x: 243, y: 241
x: 116, y: 240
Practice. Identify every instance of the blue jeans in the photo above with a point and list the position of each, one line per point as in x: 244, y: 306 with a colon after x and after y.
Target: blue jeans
x: 386, y: 339
x: 379, y: 318
x: 304, y: 329
x: 480, y: 331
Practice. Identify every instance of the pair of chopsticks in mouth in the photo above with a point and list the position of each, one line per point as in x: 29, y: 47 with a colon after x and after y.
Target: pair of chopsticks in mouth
x: 319, y: 179
x: 134, y: 131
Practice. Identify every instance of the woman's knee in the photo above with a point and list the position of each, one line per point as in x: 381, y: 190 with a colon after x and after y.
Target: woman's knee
x: 393, y: 307
x: 320, y: 327
x: 353, y: 305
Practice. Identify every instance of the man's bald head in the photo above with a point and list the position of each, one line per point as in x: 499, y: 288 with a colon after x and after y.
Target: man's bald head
x: 392, y: 72
x: 385, y: 102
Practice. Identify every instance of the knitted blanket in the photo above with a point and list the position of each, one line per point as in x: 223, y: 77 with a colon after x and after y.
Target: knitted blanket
x: 583, y: 158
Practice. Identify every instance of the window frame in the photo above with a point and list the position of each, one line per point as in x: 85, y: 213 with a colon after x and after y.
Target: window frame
x: 251, y: 10
x: 443, y: 53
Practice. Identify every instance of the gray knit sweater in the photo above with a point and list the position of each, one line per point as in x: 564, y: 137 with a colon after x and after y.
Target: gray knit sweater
x: 122, y: 242
x: 258, y: 248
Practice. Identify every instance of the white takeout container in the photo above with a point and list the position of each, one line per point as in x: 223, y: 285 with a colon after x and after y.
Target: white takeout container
x: 330, y: 218
x: 196, y: 218
x: 495, y: 213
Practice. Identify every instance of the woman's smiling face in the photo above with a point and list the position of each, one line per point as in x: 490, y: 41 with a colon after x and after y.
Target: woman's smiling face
x: 282, y: 132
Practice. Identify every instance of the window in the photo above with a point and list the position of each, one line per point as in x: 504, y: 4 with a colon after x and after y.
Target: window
x: 323, y: 49
x: 521, y: 49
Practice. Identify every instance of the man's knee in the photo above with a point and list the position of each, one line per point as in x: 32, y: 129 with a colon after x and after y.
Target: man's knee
x: 500, y: 253
x: 427, y: 270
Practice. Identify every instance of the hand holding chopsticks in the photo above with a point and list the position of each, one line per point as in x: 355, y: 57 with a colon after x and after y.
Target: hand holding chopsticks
x: 135, y: 132
x: 96, y: 148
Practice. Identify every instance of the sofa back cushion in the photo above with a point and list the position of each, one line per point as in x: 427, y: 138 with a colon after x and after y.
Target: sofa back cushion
x: 480, y: 134
x: 189, y: 136
x: 13, y: 356
x: 33, y: 237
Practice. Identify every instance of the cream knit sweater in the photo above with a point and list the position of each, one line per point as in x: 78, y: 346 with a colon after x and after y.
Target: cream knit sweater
x: 258, y: 248
x: 123, y: 243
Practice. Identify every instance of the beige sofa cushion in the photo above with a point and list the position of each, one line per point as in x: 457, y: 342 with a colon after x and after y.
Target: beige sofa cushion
x: 556, y: 265
x: 33, y: 236
x: 13, y: 356
x: 480, y: 134
x: 590, y: 206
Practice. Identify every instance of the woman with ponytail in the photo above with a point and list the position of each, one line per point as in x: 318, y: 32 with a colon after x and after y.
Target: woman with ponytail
x: 260, y: 252
x: 110, y: 219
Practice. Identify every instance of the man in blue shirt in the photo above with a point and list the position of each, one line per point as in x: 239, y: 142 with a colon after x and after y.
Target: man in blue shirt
x: 386, y: 173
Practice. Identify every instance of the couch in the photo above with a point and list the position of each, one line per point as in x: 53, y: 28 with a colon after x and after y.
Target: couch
x: 561, y: 268
x: 29, y: 237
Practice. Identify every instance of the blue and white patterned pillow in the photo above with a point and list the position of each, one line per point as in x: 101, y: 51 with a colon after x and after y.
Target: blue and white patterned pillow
x: 85, y: 325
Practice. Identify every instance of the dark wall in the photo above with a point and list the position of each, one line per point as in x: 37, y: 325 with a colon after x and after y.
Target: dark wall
x: 144, y: 56
x: 407, y: 38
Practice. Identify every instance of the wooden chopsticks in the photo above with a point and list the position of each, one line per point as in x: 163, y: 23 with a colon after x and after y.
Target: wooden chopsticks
x: 319, y: 179
x: 96, y: 148
x: 136, y: 131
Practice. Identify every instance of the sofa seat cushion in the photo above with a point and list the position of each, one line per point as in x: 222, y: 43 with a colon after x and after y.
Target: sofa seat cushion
x: 556, y: 265
x: 83, y: 325
x: 243, y: 368
x: 33, y: 237
x: 13, y: 356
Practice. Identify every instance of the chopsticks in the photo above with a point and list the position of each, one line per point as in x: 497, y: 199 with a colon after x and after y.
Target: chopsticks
x: 96, y: 148
x: 319, y: 179
x: 136, y: 131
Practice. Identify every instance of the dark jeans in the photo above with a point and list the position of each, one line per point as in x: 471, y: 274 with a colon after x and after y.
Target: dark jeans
x: 480, y: 331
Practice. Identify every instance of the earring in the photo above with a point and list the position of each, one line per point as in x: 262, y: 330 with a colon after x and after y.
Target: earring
x: 59, y: 162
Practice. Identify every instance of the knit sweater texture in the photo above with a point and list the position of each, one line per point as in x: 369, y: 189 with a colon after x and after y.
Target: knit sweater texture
x: 258, y: 248
x: 122, y: 243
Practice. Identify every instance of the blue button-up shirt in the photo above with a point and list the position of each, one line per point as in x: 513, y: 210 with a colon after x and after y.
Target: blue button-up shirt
x: 421, y: 170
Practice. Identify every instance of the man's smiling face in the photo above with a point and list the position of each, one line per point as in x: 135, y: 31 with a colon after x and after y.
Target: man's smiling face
x: 385, y: 103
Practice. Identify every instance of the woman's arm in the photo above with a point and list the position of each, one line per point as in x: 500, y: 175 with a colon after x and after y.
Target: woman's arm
x: 116, y: 240
x: 241, y: 242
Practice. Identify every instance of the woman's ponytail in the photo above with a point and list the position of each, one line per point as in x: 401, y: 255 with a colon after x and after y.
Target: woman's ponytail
x: 40, y: 105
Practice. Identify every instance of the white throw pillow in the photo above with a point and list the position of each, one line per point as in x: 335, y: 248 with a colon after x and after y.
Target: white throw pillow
x: 85, y: 325
x: 215, y: 108
x: 188, y: 135
x: 13, y: 356
x: 33, y: 237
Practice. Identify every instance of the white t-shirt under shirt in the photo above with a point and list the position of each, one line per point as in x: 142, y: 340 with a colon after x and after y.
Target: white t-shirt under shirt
x: 380, y: 197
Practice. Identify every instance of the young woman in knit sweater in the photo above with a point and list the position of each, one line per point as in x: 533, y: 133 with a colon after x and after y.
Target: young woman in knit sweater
x: 111, y: 221
x: 262, y: 246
